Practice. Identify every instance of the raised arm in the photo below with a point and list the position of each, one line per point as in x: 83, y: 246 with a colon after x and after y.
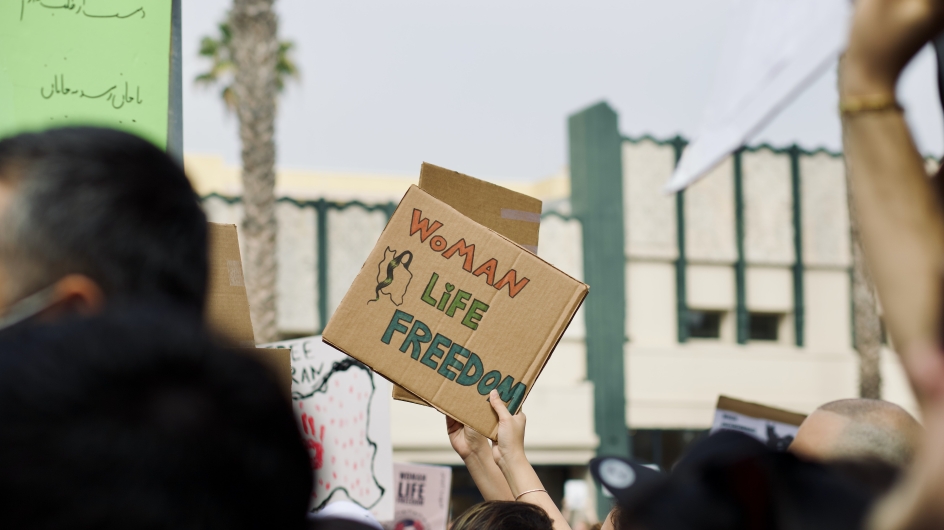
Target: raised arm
x: 508, y: 452
x: 899, y: 218
x: 902, y: 228
x: 476, y: 453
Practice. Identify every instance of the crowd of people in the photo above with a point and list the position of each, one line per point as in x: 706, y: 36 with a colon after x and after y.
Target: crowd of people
x: 119, y: 410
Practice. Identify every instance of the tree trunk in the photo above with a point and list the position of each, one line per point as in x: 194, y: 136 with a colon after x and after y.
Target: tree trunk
x: 867, y: 328
x: 866, y: 325
x: 255, y: 54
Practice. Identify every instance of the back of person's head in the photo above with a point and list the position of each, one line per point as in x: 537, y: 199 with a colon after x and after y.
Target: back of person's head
x: 503, y: 515
x: 731, y: 481
x: 104, y: 204
x: 136, y: 419
x: 857, y: 429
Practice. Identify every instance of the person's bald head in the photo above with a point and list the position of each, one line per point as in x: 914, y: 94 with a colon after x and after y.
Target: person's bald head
x: 854, y: 429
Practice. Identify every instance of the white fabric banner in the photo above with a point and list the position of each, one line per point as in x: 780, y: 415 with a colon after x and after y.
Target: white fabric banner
x: 774, y: 50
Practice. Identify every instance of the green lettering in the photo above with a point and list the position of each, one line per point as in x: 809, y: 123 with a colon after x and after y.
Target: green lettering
x: 511, y: 393
x: 395, y: 325
x: 458, y: 302
x: 472, y: 318
x: 419, y: 334
x: 443, y: 300
x: 429, y: 289
x: 489, y: 382
x: 433, y: 351
x: 467, y: 377
x: 450, y: 361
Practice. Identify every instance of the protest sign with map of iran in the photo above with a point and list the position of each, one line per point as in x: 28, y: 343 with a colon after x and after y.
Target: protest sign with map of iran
x: 343, y: 411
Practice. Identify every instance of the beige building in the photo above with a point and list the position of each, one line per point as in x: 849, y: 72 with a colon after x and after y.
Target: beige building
x: 739, y: 287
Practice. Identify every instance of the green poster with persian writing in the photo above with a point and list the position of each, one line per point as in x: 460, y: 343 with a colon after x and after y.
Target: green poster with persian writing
x: 85, y: 62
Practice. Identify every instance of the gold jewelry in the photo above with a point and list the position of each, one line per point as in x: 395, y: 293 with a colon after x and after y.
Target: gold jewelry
x: 877, y: 103
x: 529, y: 491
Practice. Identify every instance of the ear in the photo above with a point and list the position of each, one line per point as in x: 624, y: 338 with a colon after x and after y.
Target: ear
x: 77, y: 294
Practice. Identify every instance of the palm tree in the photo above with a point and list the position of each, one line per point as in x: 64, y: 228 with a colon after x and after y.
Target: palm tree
x: 219, y: 52
x: 252, y: 65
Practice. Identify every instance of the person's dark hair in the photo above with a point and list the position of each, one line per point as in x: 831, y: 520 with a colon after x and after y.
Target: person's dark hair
x: 503, y: 515
x: 136, y: 419
x: 877, y: 477
x: 105, y: 204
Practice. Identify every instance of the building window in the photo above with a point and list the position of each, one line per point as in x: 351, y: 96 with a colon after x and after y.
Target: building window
x: 704, y: 324
x: 765, y: 326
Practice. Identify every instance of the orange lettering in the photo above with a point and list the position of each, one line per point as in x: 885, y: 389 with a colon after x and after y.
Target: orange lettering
x: 488, y: 269
x: 422, y: 225
x: 514, y: 287
x: 463, y: 250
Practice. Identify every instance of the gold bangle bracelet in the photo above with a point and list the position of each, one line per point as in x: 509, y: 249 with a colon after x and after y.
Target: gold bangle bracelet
x: 522, y: 494
x: 877, y: 103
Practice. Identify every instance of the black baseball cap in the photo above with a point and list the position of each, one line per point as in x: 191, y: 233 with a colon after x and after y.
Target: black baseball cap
x: 625, y: 479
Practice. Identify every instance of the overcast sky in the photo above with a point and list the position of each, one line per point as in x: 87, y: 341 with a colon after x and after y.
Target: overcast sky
x: 485, y: 87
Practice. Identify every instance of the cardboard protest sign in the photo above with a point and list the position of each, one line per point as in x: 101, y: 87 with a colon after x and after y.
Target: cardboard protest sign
x: 422, y: 501
x: 344, y: 412
x: 450, y: 310
x: 227, y: 310
x: 511, y: 214
x: 85, y: 62
x: 775, y: 427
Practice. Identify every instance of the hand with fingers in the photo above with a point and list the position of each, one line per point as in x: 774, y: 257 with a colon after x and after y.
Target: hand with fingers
x: 885, y: 35
x: 476, y: 452
x: 465, y: 441
x: 510, y: 445
x: 508, y: 452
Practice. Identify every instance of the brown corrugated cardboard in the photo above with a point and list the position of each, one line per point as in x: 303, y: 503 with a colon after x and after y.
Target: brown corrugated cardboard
x: 449, y: 310
x: 756, y: 410
x: 511, y: 214
x: 227, y: 310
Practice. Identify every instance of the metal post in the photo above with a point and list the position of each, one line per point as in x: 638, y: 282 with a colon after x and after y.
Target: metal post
x: 175, y: 94
x: 740, y: 266
x: 596, y: 172
x: 322, y: 214
x: 681, y: 265
x: 799, y: 300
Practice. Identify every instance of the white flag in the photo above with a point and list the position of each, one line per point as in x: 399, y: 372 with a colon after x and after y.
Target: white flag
x: 774, y: 50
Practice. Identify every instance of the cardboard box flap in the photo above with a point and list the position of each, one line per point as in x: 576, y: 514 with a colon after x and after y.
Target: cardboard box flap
x: 511, y: 214
x: 450, y: 309
x: 227, y: 309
